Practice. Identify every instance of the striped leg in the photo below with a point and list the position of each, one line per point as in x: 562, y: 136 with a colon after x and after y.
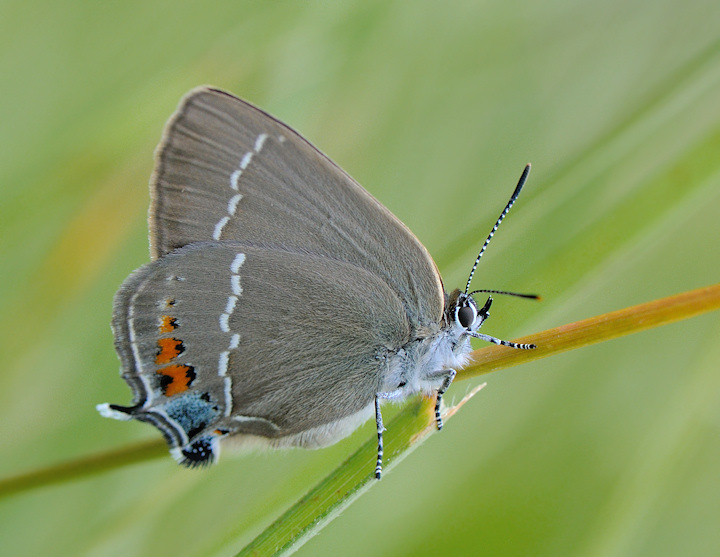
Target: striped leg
x: 449, y: 376
x: 502, y: 342
x: 380, y: 428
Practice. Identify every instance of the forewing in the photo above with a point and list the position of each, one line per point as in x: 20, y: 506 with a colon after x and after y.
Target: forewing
x: 220, y: 338
x: 226, y: 170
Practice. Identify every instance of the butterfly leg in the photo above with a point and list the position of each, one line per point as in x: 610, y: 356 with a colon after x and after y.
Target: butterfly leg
x: 380, y: 428
x: 449, y: 375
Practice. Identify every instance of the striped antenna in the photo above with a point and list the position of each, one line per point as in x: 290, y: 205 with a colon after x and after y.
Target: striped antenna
x: 513, y: 197
x: 506, y: 293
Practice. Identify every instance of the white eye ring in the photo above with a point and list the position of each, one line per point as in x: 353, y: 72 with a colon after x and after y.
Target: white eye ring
x: 465, y: 316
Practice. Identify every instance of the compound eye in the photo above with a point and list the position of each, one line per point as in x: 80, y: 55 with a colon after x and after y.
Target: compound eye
x: 466, y: 316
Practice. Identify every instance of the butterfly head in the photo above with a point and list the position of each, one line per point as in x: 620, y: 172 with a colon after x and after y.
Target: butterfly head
x: 463, y: 315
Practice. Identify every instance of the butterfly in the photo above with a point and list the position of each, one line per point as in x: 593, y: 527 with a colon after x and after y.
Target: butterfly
x: 283, y: 302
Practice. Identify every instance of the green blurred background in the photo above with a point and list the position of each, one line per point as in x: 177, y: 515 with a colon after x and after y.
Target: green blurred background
x: 612, y: 450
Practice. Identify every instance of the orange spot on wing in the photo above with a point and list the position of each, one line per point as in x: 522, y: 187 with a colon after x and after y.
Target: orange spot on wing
x: 168, y: 324
x: 177, y: 378
x: 168, y: 348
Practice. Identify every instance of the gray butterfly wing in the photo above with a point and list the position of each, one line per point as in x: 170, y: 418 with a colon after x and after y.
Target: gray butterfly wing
x: 222, y: 338
x: 226, y: 170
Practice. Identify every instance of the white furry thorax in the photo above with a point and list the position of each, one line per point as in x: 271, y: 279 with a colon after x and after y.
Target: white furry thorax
x: 415, y: 367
